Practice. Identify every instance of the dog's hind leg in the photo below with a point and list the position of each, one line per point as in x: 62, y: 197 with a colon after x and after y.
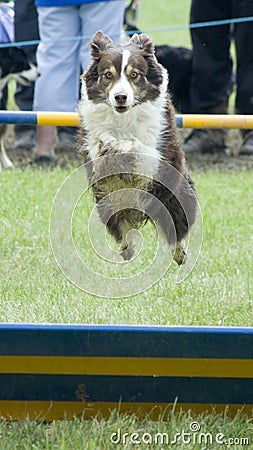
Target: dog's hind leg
x: 176, y: 219
x: 178, y: 248
x: 173, y: 223
x: 176, y: 236
x: 126, y: 245
x: 119, y: 228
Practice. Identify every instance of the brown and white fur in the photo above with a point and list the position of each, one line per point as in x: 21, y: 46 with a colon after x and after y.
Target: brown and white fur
x: 127, y: 114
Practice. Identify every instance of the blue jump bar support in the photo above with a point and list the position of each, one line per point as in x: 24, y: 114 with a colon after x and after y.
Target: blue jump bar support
x: 56, y: 371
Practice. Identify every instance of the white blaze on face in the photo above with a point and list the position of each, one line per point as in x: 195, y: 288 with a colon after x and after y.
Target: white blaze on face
x: 122, y: 86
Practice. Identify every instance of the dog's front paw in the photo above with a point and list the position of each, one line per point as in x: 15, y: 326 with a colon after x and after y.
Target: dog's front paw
x: 126, y: 146
x: 105, y: 139
x: 119, y: 146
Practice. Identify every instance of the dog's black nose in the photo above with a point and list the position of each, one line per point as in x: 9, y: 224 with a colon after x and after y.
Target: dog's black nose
x: 120, y: 98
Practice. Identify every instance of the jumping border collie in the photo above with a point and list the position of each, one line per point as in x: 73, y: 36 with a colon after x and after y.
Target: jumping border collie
x: 127, y: 116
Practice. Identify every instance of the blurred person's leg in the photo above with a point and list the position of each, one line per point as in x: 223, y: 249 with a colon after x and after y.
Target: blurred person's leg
x: 57, y: 88
x: 107, y: 16
x: 243, y: 33
x: 212, y: 79
x: 26, y: 29
x: 4, y: 98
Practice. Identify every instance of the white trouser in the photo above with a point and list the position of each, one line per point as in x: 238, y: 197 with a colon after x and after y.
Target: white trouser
x: 60, y: 62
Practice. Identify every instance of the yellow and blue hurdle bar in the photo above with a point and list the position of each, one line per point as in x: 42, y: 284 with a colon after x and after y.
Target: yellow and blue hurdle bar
x: 236, y: 121
x: 51, y: 372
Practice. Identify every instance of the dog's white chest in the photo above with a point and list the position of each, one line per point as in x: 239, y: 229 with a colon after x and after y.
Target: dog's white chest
x: 137, y: 132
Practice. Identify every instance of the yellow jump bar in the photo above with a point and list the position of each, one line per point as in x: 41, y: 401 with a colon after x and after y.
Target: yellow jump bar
x: 215, y: 121
x: 58, y: 118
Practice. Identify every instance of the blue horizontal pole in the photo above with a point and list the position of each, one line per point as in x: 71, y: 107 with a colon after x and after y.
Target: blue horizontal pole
x: 14, y: 117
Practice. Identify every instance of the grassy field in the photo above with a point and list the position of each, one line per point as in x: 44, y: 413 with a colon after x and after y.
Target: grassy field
x: 98, y: 434
x: 172, y: 19
x: 217, y: 292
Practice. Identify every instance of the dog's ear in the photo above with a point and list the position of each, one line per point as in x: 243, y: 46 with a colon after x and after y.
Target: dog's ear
x: 99, y: 43
x: 144, y: 42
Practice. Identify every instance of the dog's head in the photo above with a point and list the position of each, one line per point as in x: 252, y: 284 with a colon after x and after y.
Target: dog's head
x: 123, y: 76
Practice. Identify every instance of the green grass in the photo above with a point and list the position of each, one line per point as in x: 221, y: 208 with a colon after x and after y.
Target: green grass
x: 217, y: 292
x: 98, y: 433
x: 164, y: 14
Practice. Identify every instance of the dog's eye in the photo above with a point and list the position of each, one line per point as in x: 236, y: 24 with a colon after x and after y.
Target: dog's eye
x: 134, y: 75
x: 108, y: 75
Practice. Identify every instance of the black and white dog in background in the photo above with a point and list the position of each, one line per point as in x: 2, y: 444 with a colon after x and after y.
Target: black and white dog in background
x: 127, y: 117
x: 13, y: 66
